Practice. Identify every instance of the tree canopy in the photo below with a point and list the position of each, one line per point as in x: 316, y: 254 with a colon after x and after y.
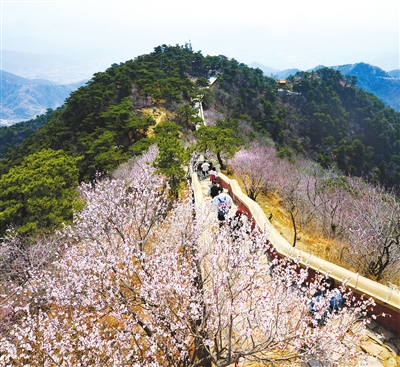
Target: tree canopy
x: 325, y: 115
x: 219, y: 139
x: 143, y: 283
x: 39, y: 194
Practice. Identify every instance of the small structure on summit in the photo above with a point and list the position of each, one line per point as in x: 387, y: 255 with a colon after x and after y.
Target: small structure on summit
x: 282, y: 83
x: 284, y: 88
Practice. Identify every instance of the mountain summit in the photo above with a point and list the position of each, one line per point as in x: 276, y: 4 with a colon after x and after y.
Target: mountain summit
x: 321, y: 113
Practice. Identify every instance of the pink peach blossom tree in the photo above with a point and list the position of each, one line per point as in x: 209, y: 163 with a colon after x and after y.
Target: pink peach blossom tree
x: 373, y: 230
x: 143, y: 282
x: 254, y: 167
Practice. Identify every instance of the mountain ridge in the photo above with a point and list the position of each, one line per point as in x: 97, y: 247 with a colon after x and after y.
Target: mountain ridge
x: 323, y: 112
x: 383, y: 84
x: 376, y: 81
x: 323, y: 116
x: 23, y: 99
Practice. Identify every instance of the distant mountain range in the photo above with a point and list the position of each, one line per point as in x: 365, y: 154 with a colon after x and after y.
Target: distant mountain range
x: 385, y: 85
x: 63, y: 69
x: 23, y: 99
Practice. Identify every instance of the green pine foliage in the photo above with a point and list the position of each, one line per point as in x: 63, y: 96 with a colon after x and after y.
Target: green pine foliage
x: 220, y: 140
x: 172, y: 157
x: 39, y: 195
x: 344, y: 126
x: 13, y: 136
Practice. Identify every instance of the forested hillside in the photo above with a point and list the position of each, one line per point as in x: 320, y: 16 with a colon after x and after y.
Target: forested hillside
x: 322, y: 115
x: 13, y: 136
x: 384, y: 85
x: 117, y: 270
x: 345, y: 126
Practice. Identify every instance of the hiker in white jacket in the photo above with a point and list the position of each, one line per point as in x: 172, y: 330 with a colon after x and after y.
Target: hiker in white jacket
x: 222, y: 203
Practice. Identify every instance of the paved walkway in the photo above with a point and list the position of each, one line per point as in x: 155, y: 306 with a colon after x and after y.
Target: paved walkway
x: 205, y: 186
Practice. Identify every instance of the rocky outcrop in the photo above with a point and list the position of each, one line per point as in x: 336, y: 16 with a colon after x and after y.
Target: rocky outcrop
x: 381, y: 346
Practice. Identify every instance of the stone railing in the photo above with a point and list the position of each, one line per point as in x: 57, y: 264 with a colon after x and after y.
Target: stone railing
x: 386, y: 298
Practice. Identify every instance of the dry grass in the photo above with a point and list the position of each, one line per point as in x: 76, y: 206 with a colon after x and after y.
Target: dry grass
x: 271, y: 204
x: 159, y: 114
x: 307, y: 240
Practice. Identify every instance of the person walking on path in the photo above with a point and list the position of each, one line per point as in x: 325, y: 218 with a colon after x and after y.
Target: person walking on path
x: 223, y: 202
x: 213, y: 173
x: 214, y: 189
x: 205, y: 167
x: 199, y: 170
x: 320, y: 307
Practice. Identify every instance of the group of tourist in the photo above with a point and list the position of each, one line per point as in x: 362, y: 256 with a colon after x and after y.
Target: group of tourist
x: 221, y: 202
x: 206, y: 169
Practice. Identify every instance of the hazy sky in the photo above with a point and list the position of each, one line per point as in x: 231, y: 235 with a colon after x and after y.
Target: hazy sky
x: 281, y: 34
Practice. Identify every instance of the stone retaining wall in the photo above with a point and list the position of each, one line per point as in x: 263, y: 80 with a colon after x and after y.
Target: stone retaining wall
x: 387, y: 299
x: 381, y: 345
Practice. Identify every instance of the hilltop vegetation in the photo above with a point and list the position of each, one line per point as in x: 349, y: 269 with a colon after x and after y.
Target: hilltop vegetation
x: 113, y: 117
x: 13, y: 136
x: 347, y: 127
